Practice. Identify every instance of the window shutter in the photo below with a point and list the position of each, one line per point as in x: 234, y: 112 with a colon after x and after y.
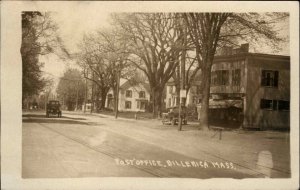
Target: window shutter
x: 276, y: 78
x: 262, y: 103
x: 275, y: 104
x: 263, y: 74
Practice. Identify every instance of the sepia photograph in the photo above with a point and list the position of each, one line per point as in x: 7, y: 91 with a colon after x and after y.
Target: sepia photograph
x: 169, y: 94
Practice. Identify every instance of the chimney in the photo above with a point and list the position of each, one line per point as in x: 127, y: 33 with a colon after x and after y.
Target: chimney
x: 245, y: 48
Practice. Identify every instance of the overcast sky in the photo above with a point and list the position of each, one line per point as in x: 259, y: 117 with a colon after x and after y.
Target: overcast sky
x: 72, y: 27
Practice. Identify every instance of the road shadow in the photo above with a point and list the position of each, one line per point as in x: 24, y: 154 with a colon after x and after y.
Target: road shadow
x: 44, y: 116
x: 43, y: 119
x: 87, y: 114
x: 52, y: 120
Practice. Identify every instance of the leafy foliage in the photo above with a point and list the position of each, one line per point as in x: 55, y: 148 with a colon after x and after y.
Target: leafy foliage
x: 71, y: 88
x: 39, y: 37
x: 155, y: 44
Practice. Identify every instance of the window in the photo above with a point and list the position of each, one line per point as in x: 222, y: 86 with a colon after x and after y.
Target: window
x: 283, y: 105
x: 169, y: 102
x: 266, y: 104
x: 280, y: 105
x: 220, y: 77
x: 269, y: 78
x: 142, y: 94
x: 127, y: 104
x: 143, y: 105
x: 128, y: 93
x: 236, y: 77
x: 171, y: 89
x: 225, y: 77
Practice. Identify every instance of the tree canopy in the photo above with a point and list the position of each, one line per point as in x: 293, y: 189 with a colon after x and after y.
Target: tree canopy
x: 39, y: 37
x: 71, y: 88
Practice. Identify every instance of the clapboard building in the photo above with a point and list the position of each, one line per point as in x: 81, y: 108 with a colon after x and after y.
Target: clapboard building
x: 133, y: 97
x: 251, y: 90
x: 251, y: 87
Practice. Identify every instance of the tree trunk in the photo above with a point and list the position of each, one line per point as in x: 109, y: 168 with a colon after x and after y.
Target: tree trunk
x: 205, y: 96
x: 154, y: 111
x: 103, y: 98
x: 157, y: 102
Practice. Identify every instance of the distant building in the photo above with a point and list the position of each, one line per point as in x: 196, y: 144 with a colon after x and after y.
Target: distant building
x: 193, y: 96
x: 132, y: 97
x: 250, y: 88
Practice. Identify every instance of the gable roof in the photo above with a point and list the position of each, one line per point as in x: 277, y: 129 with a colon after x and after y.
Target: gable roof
x: 128, y: 84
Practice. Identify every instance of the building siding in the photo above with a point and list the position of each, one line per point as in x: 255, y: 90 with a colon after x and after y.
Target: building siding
x: 254, y: 116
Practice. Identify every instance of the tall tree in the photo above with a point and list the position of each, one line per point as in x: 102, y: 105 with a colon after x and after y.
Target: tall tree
x: 39, y: 37
x: 210, y: 30
x: 105, y: 57
x: 71, y: 89
x: 155, y: 45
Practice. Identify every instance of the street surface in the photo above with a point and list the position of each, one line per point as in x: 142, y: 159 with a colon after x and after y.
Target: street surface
x: 94, y: 145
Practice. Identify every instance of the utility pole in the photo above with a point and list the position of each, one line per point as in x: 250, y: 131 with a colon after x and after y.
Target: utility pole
x: 85, y: 91
x: 85, y: 96
x: 117, y: 93
x: 77, y: 95
x: 182, y: 79
x: 92, y: 98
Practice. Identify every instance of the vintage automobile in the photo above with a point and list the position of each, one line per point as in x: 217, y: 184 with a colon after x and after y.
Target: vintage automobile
x: 172, y: 116
x: 53, y: 108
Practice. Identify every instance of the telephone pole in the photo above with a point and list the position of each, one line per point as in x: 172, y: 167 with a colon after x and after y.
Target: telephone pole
x: 117, y: 93
x: 77, y: 91
x: 182, y: 93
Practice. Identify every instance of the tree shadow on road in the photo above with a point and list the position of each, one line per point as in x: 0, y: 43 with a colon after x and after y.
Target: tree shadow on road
x: 52, y: 120
x: 44, y: 116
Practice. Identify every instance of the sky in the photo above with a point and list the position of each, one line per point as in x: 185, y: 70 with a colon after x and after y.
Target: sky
x: 72, y: 27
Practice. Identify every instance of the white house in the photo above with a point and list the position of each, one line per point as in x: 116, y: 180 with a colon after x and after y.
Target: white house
x: 192, y: 98
x: 132, y: 97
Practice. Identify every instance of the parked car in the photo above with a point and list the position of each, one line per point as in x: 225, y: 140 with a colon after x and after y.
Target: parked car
x: 53, y: 108
x: 172, y: 115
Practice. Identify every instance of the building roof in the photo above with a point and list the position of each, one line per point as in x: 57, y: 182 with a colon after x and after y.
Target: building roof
x: 128, y: 84
x: 221, y: 58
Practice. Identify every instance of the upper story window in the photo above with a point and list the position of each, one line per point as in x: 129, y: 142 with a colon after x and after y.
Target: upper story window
x: 269, y: 78
x: 220, y: 77
x: 128, y: 93
x: 142, y: 94
x: 171, y: 89
x: 236, y: 77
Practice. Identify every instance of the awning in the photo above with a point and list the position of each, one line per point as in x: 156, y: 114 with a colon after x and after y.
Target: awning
x: 214, y: 104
